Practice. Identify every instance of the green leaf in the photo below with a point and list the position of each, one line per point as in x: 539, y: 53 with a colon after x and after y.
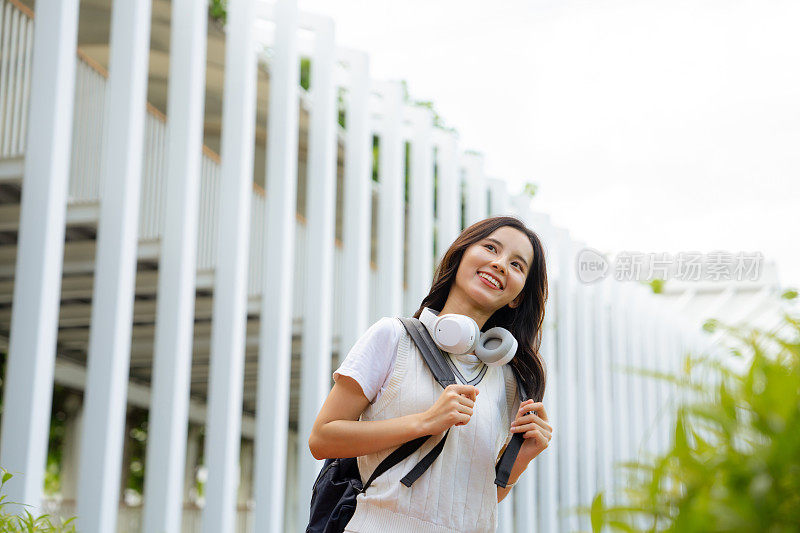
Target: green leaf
x: 789, y: 294
x: 597, y: 511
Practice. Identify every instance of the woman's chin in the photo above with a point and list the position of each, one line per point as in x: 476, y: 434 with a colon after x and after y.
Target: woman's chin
x: 484, y: 298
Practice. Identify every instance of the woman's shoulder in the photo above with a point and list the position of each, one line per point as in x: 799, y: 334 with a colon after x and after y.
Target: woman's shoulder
x: 387, y: 330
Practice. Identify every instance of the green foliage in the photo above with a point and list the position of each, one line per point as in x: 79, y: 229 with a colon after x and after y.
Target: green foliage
x: 341, y: 106
x: 657, y: 285
x: 137, y: 418
x: 28, y: 523
x: 734, y: 460
x: 530, y: 189
x: 58, y: 417
x: 305, y: 72
x: 218, y: 10
x: 438, y: 121
x: 376, y: 157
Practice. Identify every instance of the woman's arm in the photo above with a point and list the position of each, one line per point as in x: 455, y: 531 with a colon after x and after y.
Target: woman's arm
x: 533, y: 423
x: 519, y: 467
x: 337, y: 432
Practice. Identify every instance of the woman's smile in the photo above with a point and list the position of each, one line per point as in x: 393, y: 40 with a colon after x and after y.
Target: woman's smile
x: 490, y: 281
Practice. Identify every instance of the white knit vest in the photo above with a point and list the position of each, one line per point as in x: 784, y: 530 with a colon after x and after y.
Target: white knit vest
x: 457, y: 493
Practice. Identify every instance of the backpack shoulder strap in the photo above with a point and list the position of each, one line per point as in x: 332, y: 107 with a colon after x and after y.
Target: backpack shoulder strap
x: 506, y: 462
x: 430, y: 352
x: 395, y: 457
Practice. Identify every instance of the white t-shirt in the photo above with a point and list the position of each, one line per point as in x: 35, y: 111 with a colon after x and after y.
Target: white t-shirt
x: 371, y: 359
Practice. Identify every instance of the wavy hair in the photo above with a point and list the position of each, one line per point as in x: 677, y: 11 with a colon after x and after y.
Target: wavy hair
x: 525, y: 321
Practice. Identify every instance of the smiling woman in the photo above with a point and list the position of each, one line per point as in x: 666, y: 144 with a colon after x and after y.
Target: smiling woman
x: 492, y: 276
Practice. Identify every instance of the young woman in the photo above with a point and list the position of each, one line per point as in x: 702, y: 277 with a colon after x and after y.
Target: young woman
x: 384, y: 395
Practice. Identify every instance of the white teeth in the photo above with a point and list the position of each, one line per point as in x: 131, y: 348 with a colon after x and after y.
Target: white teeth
x: 490, y: 278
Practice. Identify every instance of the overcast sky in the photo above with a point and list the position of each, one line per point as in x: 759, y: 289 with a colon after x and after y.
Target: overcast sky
x: 658, y: 126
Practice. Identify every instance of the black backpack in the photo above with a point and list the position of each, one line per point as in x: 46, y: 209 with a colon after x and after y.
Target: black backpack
x: 333, y: 498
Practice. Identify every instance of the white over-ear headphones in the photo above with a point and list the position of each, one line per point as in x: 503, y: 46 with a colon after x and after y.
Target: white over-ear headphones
x: 460, y: 334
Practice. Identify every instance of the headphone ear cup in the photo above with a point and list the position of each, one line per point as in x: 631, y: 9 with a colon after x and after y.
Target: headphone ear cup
x: 457, y: 334
x: 496, y: 346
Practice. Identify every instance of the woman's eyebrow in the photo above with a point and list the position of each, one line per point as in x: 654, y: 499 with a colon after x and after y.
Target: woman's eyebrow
x: 500, y: 244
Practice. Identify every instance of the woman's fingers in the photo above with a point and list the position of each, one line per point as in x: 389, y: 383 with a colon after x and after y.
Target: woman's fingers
x: 466, y: 409
x: 466, y: 390
x: 538, y: 437
x: 526, y: 428
x: 531, y: 417
x: 538, y: 407
x: 462, y: 419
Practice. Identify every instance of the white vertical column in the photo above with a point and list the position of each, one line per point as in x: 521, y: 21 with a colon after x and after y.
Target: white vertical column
x: 357, y: 204
x: 524, y: 502
x: 630, y: 324
x: 448, y: 199
x: 660, y: 364
x: 40, y: 248
x: 505, y: 514
x: 605, y: 437
x: 391, y: 216
x: 548, y: 481
x: 500, y: 202
x: 584, y: 393
x: 275, y: 337
x: 673, y: 366
x: 420, y: 209
x: 476, y: 208
x: 112, y: 302
x: 545, y: 475
x: 647, y: 383
x: 174, y: 332
x: 567, y: 383
x: 320, y: 210
x: 229, y: 319
x: 634, y: 363
x: 620, y: 331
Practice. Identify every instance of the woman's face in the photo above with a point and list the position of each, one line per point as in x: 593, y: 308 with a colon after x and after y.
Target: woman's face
x: 492, y: 272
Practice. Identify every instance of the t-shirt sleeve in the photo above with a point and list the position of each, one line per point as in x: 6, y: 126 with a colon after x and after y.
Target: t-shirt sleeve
x: 371, y: 360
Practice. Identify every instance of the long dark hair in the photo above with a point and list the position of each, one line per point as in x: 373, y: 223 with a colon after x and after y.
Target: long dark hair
x: 525, y: 321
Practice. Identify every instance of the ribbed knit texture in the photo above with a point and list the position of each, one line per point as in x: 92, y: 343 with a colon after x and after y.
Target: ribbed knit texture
x: 457, y: 493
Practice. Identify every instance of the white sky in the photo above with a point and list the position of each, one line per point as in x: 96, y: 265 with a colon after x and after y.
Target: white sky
x: 657, y: 126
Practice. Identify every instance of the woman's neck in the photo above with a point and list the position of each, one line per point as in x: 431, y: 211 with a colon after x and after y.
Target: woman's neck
x: 461, y: 306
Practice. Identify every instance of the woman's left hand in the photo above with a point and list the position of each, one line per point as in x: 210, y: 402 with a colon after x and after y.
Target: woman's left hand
x: 532, y: 422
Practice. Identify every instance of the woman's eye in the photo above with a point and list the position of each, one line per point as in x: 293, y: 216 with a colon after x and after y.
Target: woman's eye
x: 489, y: 246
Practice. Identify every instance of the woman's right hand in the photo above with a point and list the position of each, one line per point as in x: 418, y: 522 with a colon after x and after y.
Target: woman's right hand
x: 453, y: 408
